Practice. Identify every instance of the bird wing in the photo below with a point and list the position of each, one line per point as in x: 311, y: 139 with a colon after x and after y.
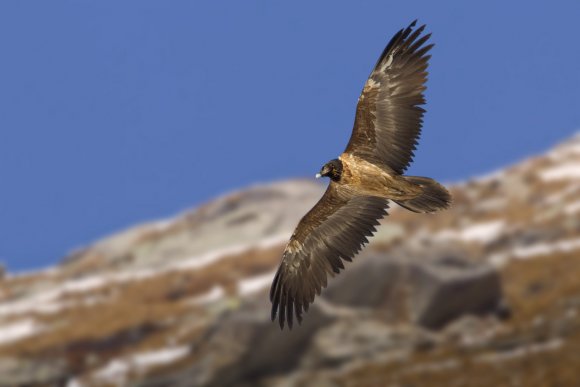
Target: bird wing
x: 336, y: 228
x: 388, y: 115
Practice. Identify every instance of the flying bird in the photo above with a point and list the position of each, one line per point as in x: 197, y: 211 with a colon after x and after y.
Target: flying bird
x: 364, y: 178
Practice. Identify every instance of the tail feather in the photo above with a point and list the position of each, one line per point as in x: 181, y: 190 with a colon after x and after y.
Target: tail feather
x: 435, y: 197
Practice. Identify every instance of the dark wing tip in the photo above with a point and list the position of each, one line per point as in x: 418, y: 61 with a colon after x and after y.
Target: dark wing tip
x: 285, y: 308
x: 402, y: 37
x: 284, y: 305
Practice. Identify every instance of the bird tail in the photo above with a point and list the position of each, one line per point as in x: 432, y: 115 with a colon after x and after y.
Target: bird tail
x: 434, y: 197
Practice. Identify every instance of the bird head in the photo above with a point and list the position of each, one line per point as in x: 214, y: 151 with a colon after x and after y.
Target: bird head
x: 332, y: 169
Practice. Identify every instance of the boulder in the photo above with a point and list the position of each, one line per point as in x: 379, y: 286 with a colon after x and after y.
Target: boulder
x: 450, y: 287
x: 428, y: 287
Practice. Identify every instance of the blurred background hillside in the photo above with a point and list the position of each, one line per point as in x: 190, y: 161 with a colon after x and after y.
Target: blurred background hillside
x: 484, y: 294
x: 119, y: 116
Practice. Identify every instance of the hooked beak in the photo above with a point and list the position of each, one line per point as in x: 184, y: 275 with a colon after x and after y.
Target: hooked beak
x: 318, y: 176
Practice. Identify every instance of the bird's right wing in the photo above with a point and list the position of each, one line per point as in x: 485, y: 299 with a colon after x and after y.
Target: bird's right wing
x: 336, y: 228
x: 389, y: 115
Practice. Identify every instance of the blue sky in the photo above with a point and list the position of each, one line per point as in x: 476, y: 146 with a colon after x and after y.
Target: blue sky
x: 116, y: 112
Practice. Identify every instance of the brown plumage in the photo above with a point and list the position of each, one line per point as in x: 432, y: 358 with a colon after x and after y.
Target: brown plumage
x: 386, y: 129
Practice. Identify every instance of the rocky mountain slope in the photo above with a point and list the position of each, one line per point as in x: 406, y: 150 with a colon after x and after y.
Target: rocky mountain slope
x: 487, y: 293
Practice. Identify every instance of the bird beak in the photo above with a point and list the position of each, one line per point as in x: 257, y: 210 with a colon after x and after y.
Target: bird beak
x: 318, y: 176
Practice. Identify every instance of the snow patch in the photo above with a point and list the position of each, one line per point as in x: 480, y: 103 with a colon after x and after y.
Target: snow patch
x: 567, y: 149
x: 83, y: 284
x: 538, y: 249
x: 45, y: 301
x: 216, y: 255
x: 40, y: 303
x: 255, y: 284
x: 18, y: 330
x: 519, y: 352
x: 486, y: 178
x: 479, y: 232
x: 569, y: 170
x: 74, y: 382
x: 213, y: 295
x: 572, y: 208
x: 116, y: 371
x: 151, y: 359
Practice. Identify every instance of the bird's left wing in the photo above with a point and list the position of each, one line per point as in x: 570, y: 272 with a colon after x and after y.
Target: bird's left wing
x: 336, y: 228
x: 389, y: 114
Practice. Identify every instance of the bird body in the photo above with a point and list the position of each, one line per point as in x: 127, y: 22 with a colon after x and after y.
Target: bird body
x: 375, y: 179
x: 364, y: 178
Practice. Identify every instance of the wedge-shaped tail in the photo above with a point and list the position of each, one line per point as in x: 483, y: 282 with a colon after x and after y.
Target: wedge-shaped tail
x: 434, y: 197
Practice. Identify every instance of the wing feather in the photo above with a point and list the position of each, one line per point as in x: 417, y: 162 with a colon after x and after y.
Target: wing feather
x: 335, y: 229
x: 389, y: 116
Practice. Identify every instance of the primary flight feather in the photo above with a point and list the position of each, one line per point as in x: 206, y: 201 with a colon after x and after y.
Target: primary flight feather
x: 364, y: 178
